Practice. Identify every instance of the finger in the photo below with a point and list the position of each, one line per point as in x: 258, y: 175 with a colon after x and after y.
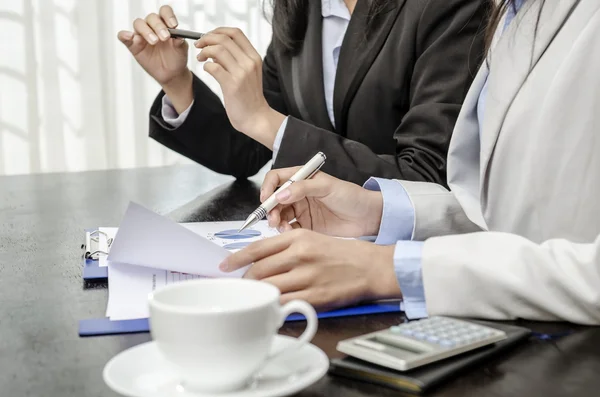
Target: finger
x: 213, y: 39
x: 141, y: 27
x: 126, y: 37
x: 274, y: 179
x: 241, y: 41
x: 278, y: 263
x: 178, y: 42
x: 220, y: 55
x: 158, y: 26
x: 218, y: 72
x: 286, y: 216
x: 168, y: 15
x: 291, y: 281
x: 274, y: 217
x: 255, y: 252
x: 135, y: 45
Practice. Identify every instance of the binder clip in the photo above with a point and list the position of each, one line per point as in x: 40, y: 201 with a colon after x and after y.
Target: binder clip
x: 100, y: 240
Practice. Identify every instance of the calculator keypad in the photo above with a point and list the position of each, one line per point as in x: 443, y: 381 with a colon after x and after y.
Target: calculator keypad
x: 443, y: 332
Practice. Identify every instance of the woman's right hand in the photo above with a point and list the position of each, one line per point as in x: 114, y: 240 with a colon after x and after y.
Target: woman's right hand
x: 162, y: 57
x: 324, y: 204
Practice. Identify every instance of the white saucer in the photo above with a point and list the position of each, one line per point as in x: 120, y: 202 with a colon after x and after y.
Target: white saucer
x: 142, y: 372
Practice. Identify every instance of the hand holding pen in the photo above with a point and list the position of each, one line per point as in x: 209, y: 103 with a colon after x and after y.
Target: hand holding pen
x: 305, y: 172
x: 164, y: 58
x: 322, y: 203
x: 228, y: 56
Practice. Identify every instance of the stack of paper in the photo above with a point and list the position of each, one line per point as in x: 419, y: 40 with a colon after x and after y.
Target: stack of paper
x: 150, y: 251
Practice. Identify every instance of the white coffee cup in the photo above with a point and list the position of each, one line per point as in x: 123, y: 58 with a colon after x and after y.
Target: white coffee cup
x: 217, y: 333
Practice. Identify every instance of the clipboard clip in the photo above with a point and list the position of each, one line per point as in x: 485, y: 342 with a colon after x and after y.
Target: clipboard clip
x: 93, y: 238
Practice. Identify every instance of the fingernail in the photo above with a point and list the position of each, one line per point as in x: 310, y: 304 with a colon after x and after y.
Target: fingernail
x: 173, y: 21
x: 129, y: 35
x: 196, y: 43
x: 281, y: 229
x: 164, y: 34
x: 153, y: 38
x: 269, y: 218
x: 224, y: 266
x: 284, y: 195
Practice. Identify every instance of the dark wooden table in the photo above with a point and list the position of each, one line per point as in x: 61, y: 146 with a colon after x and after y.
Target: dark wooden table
x: 42, y: 295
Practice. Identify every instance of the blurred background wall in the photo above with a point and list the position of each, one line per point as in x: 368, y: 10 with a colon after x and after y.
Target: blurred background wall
x: 71, y: 96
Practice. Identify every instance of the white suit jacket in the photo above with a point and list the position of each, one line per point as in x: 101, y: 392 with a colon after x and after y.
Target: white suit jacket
x: 518, y: 234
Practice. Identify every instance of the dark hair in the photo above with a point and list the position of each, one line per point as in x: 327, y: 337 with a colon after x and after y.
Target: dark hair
x: 290, y: 19
x: 498, y: 10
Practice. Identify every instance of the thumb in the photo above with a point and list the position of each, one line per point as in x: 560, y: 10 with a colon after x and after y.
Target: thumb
x: 134, y: 42
x: 178, y: 43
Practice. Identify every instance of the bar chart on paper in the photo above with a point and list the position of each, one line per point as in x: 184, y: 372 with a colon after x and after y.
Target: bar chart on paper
x: 233, y: 234
x: 226, y: 234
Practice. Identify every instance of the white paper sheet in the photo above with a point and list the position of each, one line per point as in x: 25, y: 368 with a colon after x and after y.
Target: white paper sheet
x: 209, y: 230
x: 130, y: 284
x: 150, y: 240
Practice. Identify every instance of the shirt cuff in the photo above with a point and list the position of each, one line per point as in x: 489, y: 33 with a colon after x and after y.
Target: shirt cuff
x: 398, y: 218
x: 279, y: 138
x: 407, y: 265
x: 169, y: 114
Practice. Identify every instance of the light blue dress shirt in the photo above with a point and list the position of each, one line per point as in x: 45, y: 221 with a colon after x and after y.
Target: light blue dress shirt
x: 336, y: 18
x: 397, y: 224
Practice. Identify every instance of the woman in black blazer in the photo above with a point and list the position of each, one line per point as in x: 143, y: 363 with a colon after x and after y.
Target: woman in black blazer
x: 404, y: 69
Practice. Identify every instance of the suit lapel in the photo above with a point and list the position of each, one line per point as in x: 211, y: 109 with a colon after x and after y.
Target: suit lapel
x: 358, y: 53
x: 512, y: 59
x: 464, y: 151
x: 307, y: 73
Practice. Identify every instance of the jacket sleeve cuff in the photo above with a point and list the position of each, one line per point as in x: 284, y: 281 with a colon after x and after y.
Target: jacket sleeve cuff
x: 169, y: 114
x: 279, y: 138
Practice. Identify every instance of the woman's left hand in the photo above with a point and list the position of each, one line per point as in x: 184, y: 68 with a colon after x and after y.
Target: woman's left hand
x: 237, y: 67
x: 326, y: 272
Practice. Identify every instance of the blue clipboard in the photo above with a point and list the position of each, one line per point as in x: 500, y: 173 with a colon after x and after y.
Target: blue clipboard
x: 92, y: 271
x: 103, y: 326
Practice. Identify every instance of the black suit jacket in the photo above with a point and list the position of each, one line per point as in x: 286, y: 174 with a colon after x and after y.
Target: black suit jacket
x: 398, y: 92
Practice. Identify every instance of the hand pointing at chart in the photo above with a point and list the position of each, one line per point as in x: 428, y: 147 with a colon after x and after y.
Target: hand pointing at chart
x: 325, y: 271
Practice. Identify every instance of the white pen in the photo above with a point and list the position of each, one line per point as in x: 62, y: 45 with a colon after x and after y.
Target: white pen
x: 307, y: 171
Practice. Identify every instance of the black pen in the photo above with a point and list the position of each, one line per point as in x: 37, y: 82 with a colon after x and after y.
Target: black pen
x: 185, y: 34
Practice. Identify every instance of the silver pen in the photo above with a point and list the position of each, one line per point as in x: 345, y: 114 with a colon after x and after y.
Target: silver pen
x: 306, y: 172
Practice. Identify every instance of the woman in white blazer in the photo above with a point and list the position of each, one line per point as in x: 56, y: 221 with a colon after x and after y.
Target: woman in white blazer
x: 517, y: 235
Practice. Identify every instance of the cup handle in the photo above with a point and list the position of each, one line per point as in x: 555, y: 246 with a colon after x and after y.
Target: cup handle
x: 302, y: 307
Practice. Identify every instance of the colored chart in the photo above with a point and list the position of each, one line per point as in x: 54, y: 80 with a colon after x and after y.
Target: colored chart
x: 235, y: 235
x: 237, y: 245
